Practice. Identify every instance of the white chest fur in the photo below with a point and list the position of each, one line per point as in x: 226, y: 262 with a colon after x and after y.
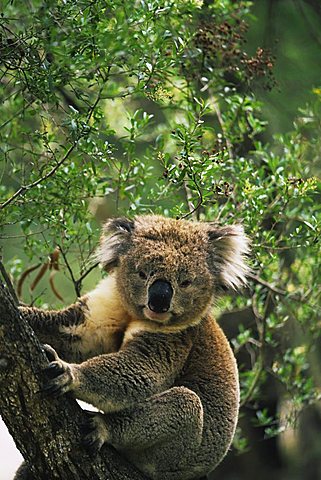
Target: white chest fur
x: 105, y: 320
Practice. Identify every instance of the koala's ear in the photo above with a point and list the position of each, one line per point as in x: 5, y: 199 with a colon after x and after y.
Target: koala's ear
x: 116, y: 240
x: 228, y: 247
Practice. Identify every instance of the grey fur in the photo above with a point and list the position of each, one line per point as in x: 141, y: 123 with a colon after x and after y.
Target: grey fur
x: 167, y: 383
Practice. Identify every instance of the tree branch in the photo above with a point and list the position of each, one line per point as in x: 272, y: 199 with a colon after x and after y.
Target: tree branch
x: 7, y: 279
x: 46, y: 430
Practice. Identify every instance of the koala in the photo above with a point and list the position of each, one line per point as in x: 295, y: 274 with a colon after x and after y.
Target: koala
x: 144, y: 349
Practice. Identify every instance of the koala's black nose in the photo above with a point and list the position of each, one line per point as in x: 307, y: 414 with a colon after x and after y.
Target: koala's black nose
x: 159, y: 296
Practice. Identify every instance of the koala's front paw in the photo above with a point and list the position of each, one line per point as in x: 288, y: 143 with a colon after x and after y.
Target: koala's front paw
x: 59, y: 374
x: 94, y: 431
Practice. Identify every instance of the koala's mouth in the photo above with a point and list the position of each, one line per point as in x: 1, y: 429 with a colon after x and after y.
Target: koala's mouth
x: 156, y: 317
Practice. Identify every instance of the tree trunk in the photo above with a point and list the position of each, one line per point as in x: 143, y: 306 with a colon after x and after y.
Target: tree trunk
x: 46, y: 430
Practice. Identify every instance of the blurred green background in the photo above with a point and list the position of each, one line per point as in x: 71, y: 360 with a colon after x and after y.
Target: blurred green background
x: 291, y: 29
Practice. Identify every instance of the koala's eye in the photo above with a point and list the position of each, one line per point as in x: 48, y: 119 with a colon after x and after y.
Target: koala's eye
x: 142, y: 275
x: 185, y: 283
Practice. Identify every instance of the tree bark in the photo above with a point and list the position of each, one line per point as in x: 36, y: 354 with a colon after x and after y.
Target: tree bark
x: 46, y: 430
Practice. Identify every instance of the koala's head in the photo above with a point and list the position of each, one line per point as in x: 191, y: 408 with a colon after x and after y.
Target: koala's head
x: 168, y: 271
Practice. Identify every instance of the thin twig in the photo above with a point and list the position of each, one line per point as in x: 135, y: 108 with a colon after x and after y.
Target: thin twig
x: 16, y: 114
x: 259, y: 366
x: 90, y: 269
x: 77, y: 283
x: 218, y: 113
x: 255, y: 380
x: 117, y: 95
x: 297, y: 297
x: 189, y: 201
x: 274, y: 248
x: 200, y: 200
x: 22, y: 190
x: 259, y: 280
x: 192, y: 175
x: 99, y: 97
x: 71, y: 273
x: 22, y: 235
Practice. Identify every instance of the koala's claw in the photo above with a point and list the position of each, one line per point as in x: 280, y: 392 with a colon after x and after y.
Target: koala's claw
x: 58, y: 372
x: 54, y: 369
x: 50, y: 353
x: 94, y: 432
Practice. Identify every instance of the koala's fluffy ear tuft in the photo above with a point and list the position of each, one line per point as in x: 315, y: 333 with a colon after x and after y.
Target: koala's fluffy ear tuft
x: 116, y: 239
x: 228, y: 247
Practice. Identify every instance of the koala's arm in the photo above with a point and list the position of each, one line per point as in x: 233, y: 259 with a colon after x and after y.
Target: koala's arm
x: 147, y: 365
x: 49, y: 325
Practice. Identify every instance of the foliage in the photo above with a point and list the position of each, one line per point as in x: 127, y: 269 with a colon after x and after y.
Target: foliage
x: 124, y: 109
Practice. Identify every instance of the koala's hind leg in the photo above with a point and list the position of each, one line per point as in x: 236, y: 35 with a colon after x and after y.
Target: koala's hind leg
x: 157, y: 419
x: 159, y: 435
